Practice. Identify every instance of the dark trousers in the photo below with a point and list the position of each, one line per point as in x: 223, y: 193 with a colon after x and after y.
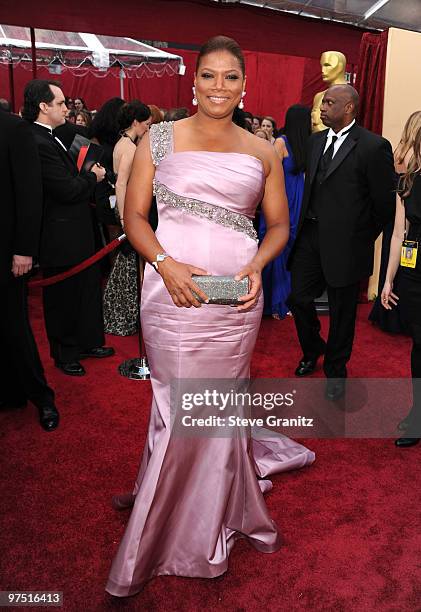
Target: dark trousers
x: 73, y: 313
x: 308, y: 283
x: 21, y: 372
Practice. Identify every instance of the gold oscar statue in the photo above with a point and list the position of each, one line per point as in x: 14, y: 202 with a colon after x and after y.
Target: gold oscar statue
x: 333, y: 65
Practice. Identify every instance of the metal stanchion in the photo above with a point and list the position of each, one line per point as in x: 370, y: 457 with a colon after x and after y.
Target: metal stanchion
x: 137, y: 368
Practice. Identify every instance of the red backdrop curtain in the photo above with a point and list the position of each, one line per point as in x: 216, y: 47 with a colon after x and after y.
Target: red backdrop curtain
x: 283, y: 50
x: 370, y: 80
x: 189, y: 22
x: 274, y: 82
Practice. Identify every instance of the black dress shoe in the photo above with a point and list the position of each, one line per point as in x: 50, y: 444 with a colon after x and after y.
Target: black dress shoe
x: 406, y: 442
x: 99, y: 352
x: 71, y: 368
x: 335, y: 388
x: 306, y: 367
x: 49, y: 417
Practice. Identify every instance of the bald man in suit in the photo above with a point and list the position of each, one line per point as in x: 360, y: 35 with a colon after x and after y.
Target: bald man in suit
x: 349, y: 196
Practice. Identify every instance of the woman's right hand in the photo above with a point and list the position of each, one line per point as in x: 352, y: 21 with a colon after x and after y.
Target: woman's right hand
x: 179, y: 284
x: 388, y: 297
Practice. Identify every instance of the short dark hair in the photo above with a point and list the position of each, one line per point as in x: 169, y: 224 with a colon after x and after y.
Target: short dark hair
x: 222, y: 43
x: 131, y: 111
x: 347, y: 89
x: 355, y: 97
x: 36, y: 91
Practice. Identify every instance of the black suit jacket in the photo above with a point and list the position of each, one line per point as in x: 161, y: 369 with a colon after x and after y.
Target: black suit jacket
x: 357, y: 201
x: 67, y: 236
x: 21, y: 192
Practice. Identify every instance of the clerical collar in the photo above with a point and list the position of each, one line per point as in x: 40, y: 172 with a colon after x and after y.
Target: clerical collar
x: 44, y: 125
x: 343, y: 132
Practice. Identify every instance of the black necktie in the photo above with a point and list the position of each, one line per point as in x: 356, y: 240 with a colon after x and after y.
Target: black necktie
x: 328, y: 155
x: 324, y: 163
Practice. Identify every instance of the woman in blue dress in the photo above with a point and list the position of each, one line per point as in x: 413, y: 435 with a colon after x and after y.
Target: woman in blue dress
x: 291, y: 148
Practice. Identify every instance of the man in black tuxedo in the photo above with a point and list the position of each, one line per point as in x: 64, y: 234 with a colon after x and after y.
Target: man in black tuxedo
x: 21, y: 372
x: 348, y: 198
x: 72, y: 307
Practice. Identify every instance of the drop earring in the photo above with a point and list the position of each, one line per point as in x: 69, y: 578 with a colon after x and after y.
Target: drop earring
x: 241, y: 103
x: 194, y: 101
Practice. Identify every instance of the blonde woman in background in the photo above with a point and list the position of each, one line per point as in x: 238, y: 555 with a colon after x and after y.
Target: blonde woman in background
x: 405, y: 149
x: 406, y: 290
x: 392, y: 320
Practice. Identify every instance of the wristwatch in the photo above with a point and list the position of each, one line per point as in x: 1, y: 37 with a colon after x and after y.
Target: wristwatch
x: 160, y: 257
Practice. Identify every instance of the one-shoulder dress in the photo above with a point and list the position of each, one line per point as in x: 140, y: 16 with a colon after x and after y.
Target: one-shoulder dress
x: 195, y: 497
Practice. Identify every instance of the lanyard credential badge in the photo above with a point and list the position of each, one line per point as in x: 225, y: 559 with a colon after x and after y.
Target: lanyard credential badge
x: 409, y: 253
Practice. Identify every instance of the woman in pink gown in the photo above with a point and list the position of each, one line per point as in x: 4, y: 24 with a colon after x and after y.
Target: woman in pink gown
x: 194, y: 497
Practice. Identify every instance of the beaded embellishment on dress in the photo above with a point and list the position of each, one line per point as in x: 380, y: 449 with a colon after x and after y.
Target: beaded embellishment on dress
x: 161, y: 136
x: 216, y: 214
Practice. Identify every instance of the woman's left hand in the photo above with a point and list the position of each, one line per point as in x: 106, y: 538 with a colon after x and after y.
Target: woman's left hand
x: 255, y: 286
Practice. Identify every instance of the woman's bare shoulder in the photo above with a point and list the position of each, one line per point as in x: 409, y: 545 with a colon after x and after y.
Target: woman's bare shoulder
x: 260, y: 148
x: 281, y: 148
x: 123, y: 144
x: 280, y: 142
x: 182, y: 125
x: 123, y: 151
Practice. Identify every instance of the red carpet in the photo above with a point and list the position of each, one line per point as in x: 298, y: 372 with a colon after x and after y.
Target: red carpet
x: 351, y: 523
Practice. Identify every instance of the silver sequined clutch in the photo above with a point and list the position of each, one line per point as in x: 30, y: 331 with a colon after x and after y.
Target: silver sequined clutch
x: 221, y: 289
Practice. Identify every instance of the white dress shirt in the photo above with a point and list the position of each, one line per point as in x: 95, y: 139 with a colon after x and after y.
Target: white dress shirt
x: 50, y: 129
x: 341, y: 136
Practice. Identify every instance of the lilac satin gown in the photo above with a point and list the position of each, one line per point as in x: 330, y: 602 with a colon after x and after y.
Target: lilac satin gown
x: 194, y: 497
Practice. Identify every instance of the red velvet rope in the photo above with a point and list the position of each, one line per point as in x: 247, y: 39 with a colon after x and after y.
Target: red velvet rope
x: 82, y: 266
